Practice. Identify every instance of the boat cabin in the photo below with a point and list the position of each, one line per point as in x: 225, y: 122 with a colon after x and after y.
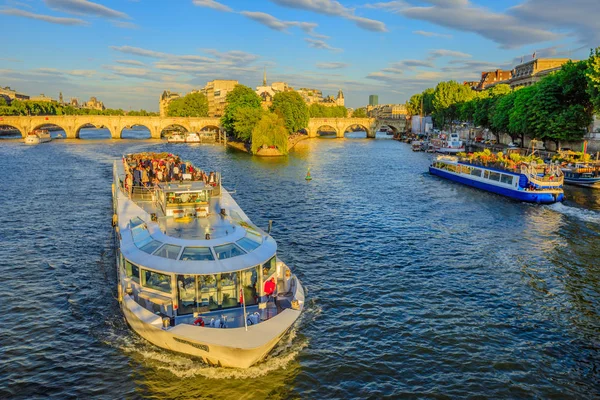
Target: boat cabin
x: 189, y: 199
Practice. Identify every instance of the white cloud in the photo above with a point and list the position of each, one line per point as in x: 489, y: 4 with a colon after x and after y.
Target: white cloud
x: 332, y: 65
x: 320, y: 44
x: 130, y: 62
x: 432, y: 34
x: 280, y: 25
x: 47, y: 18
x: 448, y: 53
x: 212, y: 4
x: 333, y: 8
x: 84, y: 7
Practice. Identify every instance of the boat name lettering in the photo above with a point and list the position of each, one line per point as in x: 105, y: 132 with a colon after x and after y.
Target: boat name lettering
x: 196, y: 345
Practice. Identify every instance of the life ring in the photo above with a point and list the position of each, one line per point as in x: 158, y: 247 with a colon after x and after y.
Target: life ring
x: 199, y: 322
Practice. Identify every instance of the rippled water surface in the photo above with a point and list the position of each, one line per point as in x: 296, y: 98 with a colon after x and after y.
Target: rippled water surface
x: 416, y: 286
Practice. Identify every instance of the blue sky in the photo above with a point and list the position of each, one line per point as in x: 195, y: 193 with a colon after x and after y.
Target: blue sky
x: 127, y: 52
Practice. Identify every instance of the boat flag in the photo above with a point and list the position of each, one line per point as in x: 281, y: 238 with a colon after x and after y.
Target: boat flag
x: 584, y: 146
x: 521, y: 59
x: 533, y: 55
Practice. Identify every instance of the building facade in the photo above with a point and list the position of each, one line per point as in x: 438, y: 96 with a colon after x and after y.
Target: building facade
x: 387, y: 111
x: 163, y: 103
x: 43, y: 98
x: 266, y: 92
x: 373, y: 100
x: 94, y: 104
x: 216, y: 93
x: 9, y: 95
x: 492, y: 78
x: 531, y: 72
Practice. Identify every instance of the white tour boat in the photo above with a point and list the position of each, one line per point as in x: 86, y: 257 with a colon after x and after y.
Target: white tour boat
x: 192, y: 137
x: 176, y: 138
x: 452, y: 145
x: 38, y: 136
x: 195, y: 275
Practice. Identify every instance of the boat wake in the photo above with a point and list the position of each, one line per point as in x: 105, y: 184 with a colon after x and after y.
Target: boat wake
x: 579, y: 213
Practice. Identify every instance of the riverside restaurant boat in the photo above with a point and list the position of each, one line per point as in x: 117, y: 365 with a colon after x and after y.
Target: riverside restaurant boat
x: 527, y: 181
x: 453, y: 144
x: 38, y: 136
x: 192, y: 137
x: 583, y: 174
x: 195, y: 275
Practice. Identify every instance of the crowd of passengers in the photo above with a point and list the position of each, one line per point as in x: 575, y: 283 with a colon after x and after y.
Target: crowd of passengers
x: 150, y: 169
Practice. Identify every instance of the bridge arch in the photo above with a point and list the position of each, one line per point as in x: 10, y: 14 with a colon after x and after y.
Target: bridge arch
x: 48, y: 125
x: 176, y: 125
x: 326, y: 130
x: 136, y: 132
x: 350, y: 128
x: 13, y: 126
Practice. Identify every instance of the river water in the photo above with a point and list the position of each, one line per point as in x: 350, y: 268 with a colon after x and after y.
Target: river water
x: 416, y: 286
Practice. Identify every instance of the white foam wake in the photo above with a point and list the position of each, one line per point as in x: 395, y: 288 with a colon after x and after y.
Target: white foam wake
x: 580, y: 213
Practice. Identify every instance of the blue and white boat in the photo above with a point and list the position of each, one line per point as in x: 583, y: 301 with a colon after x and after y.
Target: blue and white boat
x: 583, y: 174
x: 530, y: 182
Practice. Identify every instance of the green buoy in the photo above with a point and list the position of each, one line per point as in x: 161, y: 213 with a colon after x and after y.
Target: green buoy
x: 308, y: 177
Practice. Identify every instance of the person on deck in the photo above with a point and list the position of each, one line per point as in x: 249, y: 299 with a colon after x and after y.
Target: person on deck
x: 270, y: 287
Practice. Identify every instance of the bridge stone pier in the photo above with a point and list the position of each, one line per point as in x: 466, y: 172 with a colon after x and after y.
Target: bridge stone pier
x: 72, y: 124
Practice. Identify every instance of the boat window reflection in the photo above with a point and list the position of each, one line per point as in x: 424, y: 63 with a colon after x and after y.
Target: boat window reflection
x: 157, y: 281
x: 227, y: 251
x: 229, y: 293
x: 186, y: 292
x: 269, y: 268
x: 250, y: 284
x: 247, y: 244
x: 151, y: 246
x: 133, y: 271
x: 207, y: 290
x: 197, y: 254
x: 168, y: 251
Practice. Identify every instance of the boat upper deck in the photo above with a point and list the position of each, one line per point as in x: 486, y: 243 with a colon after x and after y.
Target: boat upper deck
x: 185, y: 225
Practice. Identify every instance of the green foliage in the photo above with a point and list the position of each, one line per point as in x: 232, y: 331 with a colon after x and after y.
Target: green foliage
x: 593, y: 77
x: 316, y: 110
x: 270, y: 131
x: 518, y: 118
x: 246, y: 118
x: 500, y: 117
x: 445, y: 99
x: 191, y: 105
x: 360, y: 113
x: 3, y: 102
x: 292, y: 108
x: 413, y: 106
x: 428, y: 96
x: 240, y: 96
x: 27, y: 107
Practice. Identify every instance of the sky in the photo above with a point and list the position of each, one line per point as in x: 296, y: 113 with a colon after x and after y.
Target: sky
x: 126, y: 52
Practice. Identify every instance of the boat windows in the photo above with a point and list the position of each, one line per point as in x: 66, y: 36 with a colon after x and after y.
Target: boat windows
x: 151, y: 246
x: 494, y: 176
x: 250, y: 284
x: 269, y: 268
x: 207, y: 290
x: 249, y: 242
x: 227, y: 251
x: 132, y: 271
x: 135, y: 222
x: 157, y: 281
x: 168, y: 251
x: 197, y: 254
x: 229, y: 294
x: 476, y: 172
x: 187, y: 198
x: 508, y: 179
x: 140, y: 235
x: 186, y: 292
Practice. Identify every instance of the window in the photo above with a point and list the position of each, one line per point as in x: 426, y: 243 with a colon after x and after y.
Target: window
x: 141, y: 236
x: 250, y: 242
x: 151, y: 246
x: 494, y: 176
x: 207, y: 291
x: 227, y: 251
x: 229, y: 292
x: 506, y: 179
x: 132, y: 271
x: 250, y: 285
x: 157, y: 281
x: 486, y: 174
x: 269, y: 268
x: 168, y: 251
x: 197, y: 254
x: 476, y: 172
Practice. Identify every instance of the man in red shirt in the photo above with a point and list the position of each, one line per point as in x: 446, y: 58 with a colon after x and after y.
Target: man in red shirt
x: 270, y: 287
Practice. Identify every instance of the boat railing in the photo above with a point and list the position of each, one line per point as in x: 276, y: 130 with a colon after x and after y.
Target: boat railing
x: 543, y: 175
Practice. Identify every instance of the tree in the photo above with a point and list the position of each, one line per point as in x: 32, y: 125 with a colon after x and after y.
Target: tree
x: 500, y: 117
x: 445, y: 98
x: 428, y: 95
x: 3, y: 102
x: 518, y: 119
x: 292, y: 108
x: 593, y: 77
x: 413, y: 105
x: 359, y: 113
x: 270, y: 131
x: 245, y: 119
x: 240, y: 96
x: 191, y: 105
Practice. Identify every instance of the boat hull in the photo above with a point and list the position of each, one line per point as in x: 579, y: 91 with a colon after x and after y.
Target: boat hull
x: 589, y: 182
x: 521, y: 195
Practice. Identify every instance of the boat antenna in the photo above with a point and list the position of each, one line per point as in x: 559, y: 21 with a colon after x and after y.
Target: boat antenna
x: 244, y: 305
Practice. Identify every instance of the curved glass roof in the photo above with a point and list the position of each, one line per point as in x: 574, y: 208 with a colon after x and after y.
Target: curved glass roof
x: 145, y: 242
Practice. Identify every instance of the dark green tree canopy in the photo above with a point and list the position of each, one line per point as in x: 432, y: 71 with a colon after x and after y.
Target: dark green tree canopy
x: 292, y: 108
x: 191, y: 105
x: 240, y: 96
x: 359, y: 113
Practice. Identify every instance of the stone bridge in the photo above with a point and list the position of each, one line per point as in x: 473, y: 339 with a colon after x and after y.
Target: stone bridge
x: 72, y: 124
x: 341, y: 125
